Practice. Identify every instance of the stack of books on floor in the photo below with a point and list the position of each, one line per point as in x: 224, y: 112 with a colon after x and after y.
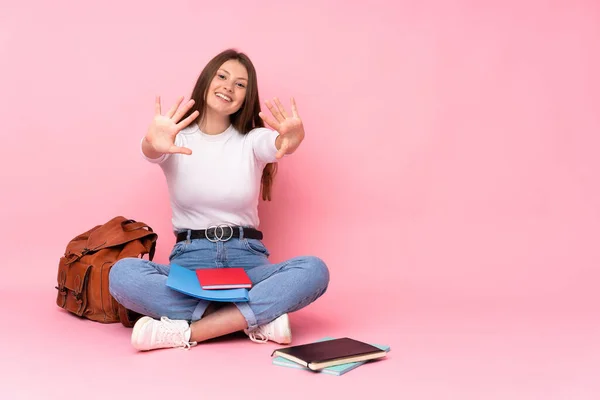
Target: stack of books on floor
x: 329, y: 355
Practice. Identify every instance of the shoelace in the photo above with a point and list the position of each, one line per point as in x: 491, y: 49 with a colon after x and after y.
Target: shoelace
x: 258, y: 336
x: 171, y: 333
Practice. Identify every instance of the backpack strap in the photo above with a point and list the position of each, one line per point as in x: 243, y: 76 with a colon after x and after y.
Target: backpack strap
x: 131, y: 225
x: 127, y: 317
x: 116, y: 232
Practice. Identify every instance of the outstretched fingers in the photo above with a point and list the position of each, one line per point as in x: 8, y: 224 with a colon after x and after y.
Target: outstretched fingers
x: 183, y: 110
x: 188, y: 120
x: 294, y: 109
x: 269, y: 121
x: 280, y: 107
x: 157, y: 105
x: 173, y: 109
x: 275, y: 111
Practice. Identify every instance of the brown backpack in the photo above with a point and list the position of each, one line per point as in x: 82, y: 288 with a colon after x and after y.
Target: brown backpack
x: 83, y: 270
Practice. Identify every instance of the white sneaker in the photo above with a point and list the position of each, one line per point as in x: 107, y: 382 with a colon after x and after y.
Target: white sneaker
x: 278, y: 331
x: 150, y: 334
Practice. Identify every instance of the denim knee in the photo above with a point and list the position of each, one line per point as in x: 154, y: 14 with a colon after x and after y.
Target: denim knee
x: 317, y: 271
x: 118, y: 276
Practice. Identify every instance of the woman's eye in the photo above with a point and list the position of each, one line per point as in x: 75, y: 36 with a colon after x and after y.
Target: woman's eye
x: 221, y: 76
x: 241, y: 85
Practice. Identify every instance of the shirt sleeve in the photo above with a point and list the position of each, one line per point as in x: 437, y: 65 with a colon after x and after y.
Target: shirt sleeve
x: 263, y: 144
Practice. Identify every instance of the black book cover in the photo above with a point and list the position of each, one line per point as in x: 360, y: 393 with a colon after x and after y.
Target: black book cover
x: 329, y: 350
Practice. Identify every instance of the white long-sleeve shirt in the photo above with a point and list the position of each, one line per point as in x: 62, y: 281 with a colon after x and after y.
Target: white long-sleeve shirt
x: 219, y: 183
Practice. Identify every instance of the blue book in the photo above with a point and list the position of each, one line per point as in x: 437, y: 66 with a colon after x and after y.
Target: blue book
x: 185, y: 281
x: 335, y: 370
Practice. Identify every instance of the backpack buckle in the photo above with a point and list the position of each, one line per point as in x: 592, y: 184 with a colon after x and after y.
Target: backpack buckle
x: 77, y: 296
x: 61, y: 289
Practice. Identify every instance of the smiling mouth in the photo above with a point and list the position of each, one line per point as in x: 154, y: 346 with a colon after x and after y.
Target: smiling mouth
x: 224, y: 97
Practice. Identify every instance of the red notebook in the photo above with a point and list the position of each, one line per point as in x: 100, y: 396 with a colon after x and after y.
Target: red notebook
x: 223, y: 278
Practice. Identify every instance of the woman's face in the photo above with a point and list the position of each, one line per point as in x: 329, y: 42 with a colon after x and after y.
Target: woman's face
x: 227, y: 90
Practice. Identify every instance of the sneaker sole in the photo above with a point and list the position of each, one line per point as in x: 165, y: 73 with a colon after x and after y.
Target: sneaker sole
x: 286, y: 332
x: 136, y: 331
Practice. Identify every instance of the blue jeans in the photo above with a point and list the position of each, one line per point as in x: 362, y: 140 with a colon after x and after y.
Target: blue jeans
x: 140, y: 285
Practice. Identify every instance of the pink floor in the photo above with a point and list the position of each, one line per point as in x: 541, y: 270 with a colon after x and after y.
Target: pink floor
x: 436, y: 354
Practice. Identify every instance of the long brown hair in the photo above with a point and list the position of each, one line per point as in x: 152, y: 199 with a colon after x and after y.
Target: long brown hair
x: 246, y: 118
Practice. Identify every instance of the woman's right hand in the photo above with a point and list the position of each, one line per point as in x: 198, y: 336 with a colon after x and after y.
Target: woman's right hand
x: 163, y: 129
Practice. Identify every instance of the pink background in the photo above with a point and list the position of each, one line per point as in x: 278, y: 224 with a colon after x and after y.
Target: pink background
x: 449, y: 178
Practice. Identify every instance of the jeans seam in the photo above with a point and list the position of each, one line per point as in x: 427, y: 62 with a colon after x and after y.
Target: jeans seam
x: 132, y: 305
x: 251, y: 317
x: 250, y: 249
x: 178, y: 252
x: 312, y: 298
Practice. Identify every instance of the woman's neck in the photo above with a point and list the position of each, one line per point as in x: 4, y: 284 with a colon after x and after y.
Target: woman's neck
x: 213, y: 124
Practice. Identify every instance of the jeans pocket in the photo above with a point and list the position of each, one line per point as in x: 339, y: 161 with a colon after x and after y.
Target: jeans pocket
x: 256, y: 246
x: 177, y: 249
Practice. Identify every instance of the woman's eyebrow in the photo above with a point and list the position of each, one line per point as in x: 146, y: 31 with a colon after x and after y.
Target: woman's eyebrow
x: 228, y: 73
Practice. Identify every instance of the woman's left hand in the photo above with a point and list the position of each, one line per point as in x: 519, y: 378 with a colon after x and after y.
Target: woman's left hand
x: 290, y: 128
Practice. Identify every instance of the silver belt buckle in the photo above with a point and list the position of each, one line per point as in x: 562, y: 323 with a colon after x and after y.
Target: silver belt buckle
x: 219, y: 233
